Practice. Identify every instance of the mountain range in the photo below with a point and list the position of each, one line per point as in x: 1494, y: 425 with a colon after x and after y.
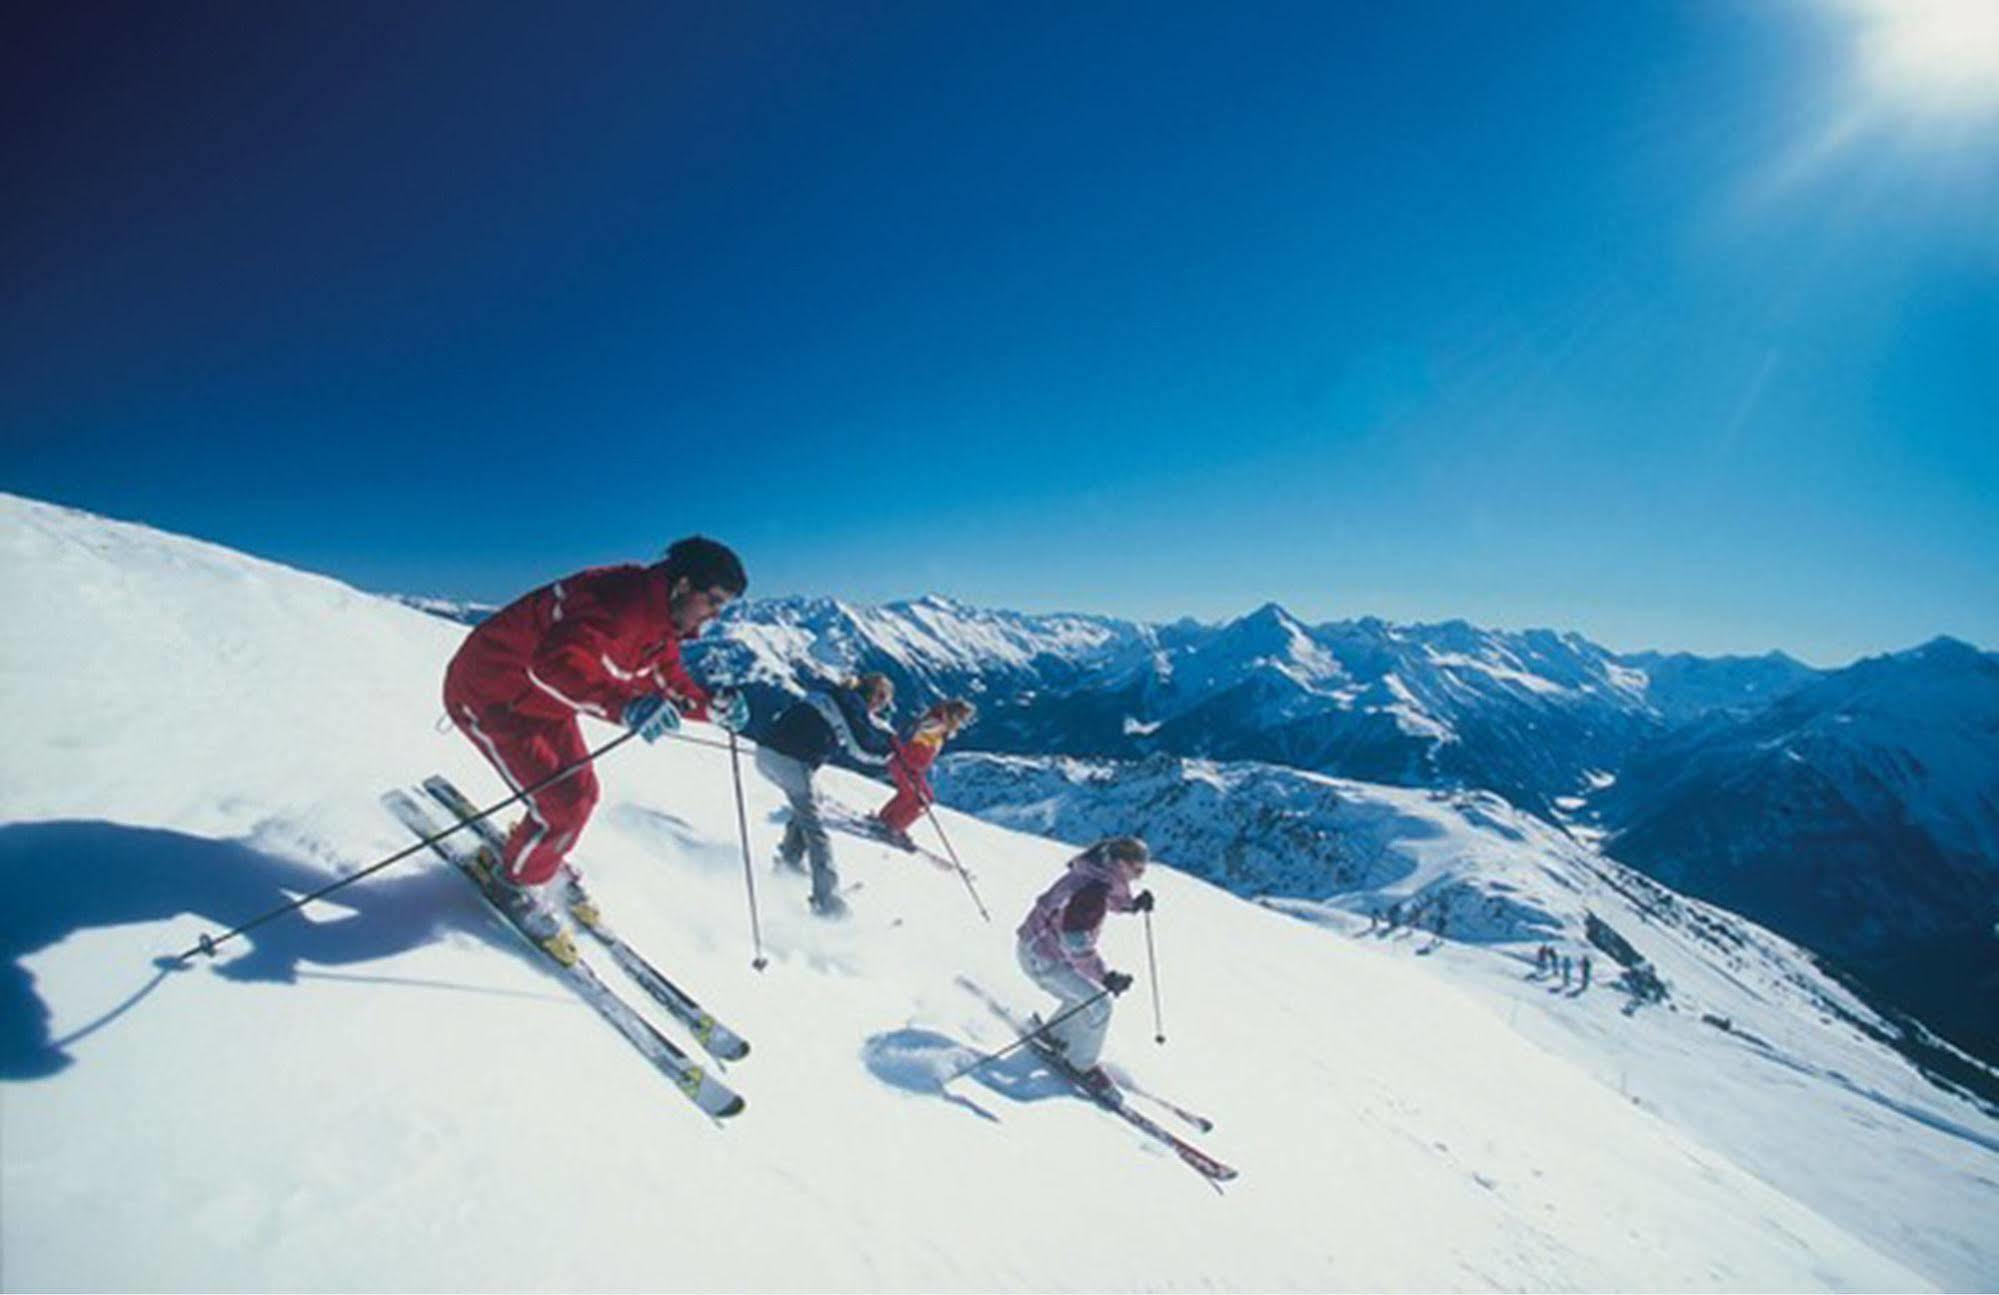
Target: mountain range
x: 1537, y: 716
x: 1854, y: 810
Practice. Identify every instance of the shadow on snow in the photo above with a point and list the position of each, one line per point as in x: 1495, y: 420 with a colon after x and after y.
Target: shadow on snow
x: 924, y: 1061
x: 63, y: 877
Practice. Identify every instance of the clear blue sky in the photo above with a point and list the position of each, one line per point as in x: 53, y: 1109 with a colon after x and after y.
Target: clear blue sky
x: 1673, y: 323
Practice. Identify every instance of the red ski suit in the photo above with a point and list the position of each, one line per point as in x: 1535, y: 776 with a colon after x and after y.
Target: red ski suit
x: 585, y: 645
x: 910, y: 767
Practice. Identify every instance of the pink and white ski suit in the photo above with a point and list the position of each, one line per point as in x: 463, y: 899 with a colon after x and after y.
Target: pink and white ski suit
x: 1058, y: 950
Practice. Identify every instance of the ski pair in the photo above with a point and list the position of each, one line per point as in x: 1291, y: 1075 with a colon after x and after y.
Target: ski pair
x: 694, y: 1082
x: 717, y: 1039
x: 844, y: 819
x: 1110, y: 1098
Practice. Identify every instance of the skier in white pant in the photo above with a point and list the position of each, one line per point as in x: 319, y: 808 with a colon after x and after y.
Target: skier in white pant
x: 1058, y: 946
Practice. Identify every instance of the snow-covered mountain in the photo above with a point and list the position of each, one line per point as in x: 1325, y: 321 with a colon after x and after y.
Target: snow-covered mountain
x: 1859, y: 815
x: 375, y: 1094
x: 451, y: 609
x: 1538, y: 717
x: 1683, y: 687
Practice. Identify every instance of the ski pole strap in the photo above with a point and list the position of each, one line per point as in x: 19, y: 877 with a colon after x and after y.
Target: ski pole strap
x: 1028, y: 1037
x: 206, y: 945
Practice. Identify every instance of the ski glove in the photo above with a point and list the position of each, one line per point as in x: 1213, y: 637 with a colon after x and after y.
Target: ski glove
x: 1117, y: 982
x: 652, y: 717
x: 730, y: 709
x: 1142, y: 902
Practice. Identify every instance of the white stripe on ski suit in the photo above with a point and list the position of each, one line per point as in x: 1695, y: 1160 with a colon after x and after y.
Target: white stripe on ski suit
x: 513, y: 784
x: 611, y: 668
x: 584, y: 707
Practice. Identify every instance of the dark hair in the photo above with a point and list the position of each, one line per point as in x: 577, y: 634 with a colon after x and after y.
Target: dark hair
x: 1120, y: 849
x: 707, y: 564
x: 871, y: 683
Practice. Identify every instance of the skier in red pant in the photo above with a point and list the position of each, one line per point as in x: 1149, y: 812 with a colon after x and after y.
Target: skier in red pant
x: 605, y: 643
x: 910, y: 766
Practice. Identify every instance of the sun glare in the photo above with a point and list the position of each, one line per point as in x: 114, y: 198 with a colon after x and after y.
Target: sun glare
x: 1931, y: 57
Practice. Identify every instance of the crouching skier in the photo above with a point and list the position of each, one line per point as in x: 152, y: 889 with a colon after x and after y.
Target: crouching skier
x: 604, y: 643
x: 846, y: 718
x: 1058, y: 948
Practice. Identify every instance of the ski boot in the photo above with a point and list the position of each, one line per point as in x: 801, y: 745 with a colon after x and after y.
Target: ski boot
x: 830, y: 906
x: 582, y: 908
x: 525, y: 908
x: 895, y: 836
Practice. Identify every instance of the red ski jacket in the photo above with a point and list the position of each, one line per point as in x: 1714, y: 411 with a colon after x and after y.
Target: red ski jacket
x: 587, y: 644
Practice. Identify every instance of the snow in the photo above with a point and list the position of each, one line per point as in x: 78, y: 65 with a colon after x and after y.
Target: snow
x: 386, y: 1094
x: 1795, y: 1088
x: 1504, y: 674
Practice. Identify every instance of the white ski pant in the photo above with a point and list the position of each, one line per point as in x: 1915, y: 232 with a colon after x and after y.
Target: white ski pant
x: 1081, y: 1036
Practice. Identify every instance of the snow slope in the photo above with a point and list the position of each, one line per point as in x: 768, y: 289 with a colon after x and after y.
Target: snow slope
x: 387, y: 1095
x: 1752, y: 1046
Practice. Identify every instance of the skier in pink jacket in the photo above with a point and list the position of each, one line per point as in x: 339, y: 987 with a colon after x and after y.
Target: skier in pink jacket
x: 1058, y: 945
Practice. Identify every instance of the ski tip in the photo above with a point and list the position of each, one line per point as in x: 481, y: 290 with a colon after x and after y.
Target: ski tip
x: 735, y: 1107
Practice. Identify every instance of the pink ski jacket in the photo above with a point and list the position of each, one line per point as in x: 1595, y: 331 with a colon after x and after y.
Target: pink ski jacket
x: 1063, y: 925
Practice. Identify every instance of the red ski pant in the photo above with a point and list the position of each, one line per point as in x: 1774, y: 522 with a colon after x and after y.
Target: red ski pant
x: 525, y: 751
x: 911, y: 795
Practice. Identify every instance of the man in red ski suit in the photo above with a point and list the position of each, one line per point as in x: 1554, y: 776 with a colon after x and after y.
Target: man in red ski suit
x: 606, y: 643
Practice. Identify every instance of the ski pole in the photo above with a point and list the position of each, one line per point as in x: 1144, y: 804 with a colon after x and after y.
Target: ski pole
x: 749, y: 874
x: 966, y: 877
x: 989, y: 1057
x: 208, y: 943
x: 1152, y: 961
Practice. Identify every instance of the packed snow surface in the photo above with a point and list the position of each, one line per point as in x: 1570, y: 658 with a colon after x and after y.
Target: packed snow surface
x: 387, y: 1094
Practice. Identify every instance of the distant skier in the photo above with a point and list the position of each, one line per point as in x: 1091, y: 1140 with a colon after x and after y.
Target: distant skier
x: 1566, y: 966
x: 910, y: 766
x: 1058, y: 946
x: 1586, y: 972
x: 604, y: 643
x: 846, y: 718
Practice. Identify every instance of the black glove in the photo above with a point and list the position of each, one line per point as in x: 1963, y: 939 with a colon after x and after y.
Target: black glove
x: 1142, y: 903
x: 1117, y: 982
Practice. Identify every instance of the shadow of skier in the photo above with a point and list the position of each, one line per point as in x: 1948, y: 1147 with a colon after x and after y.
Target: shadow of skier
x: 921, y: 1062
x: 925, y: 1062
x: 68, y: 876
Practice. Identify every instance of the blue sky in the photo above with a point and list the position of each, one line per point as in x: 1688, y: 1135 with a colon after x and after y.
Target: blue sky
x: 1673, y: 323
